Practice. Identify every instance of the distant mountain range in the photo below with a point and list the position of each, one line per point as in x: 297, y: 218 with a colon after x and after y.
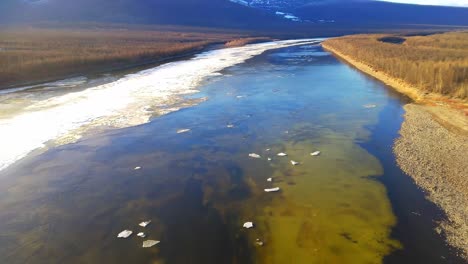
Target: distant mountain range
x: 378, y: 12
x: 361, y: 12
x: 246, y: 14
x: 211, y: 13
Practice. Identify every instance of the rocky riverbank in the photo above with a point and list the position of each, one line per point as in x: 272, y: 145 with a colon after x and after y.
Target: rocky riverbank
x: 436, y: 158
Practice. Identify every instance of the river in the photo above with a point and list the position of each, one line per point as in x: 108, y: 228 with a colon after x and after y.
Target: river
x: 178, y: 154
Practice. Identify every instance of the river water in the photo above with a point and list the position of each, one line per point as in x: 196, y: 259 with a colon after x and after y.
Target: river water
x: 350, y: 204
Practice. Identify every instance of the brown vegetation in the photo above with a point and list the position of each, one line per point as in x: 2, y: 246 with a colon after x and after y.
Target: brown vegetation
x: 435, y: 63
x: 244, y: 41
x: 30, y: 55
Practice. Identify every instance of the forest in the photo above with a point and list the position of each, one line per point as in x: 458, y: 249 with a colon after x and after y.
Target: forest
x: 38, y: 54
x: 244, y: 41
x: 433, y: 63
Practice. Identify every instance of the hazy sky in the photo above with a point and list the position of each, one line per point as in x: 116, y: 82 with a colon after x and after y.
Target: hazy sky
x: 434, y: 2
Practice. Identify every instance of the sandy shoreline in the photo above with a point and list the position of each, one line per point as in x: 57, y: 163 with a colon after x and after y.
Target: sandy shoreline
x: 432, y: 149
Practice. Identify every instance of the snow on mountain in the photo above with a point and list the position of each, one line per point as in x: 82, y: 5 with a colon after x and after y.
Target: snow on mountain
x: 241, y: 2
x: 281, y: 8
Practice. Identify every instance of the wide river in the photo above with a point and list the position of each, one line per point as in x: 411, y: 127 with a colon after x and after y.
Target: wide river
x: 70, y: 183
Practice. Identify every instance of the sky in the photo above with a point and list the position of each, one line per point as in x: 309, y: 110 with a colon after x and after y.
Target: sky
x: 433, y: 2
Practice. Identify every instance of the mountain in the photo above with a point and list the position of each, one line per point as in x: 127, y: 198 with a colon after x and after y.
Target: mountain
x: 275, y: 5
x: 326, y: 17
x: 360, y: 12
x: 377, y: 12
x: 213, y: 13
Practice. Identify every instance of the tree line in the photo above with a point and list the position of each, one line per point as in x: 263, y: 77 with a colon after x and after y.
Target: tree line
x: 435, y: 63
x: 30, y: 55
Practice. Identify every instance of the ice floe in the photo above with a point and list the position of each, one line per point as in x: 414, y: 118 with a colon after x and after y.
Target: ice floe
x: 276, y: 189
x: 185, y: 130
x: 259, y: 242
x: 125, y: 234
x: 150, y: 243
x: 145, y: 223
x: 248, y: 225
x: 255, y: 156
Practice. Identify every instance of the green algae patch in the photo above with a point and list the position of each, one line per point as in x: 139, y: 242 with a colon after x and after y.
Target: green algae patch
x: 329, y: 210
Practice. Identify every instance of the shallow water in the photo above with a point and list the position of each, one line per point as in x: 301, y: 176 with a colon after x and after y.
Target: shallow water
x: 351, y: 204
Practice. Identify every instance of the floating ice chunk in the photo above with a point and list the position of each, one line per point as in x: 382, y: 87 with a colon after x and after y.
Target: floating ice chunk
x: 276, y: 189
x: 185, y: 130
x: 240, y: 96
x: 141, y: 234
x: 269, y: 179
x: 248, y: 225
x: 255, y: 156
x: 145, y: 223
x: 282, y: 154
x: 316, y: 153
x: 294, y: 163
x: 259, y: 242
x: 150, y: 243
x: 370, y: 106
x: 137, y: 168
x: 267, y: 149
x: 230, y: 126
x: 125, y: 234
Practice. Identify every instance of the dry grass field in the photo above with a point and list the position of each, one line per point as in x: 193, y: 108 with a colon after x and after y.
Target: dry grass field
x: 31, y: 55
x: 244, y: 41
x: 434, y: 63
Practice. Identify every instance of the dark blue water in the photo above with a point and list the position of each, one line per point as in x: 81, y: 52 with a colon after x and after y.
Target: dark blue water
x: 351, y: 204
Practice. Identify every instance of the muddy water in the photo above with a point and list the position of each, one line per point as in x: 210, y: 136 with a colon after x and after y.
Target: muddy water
x: 350, y: 204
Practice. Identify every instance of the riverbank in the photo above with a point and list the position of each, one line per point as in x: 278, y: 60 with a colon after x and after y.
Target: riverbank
x: 432, y: 149
x: 432, y: 63
x: 398, y: 85
x: 40, y: 55
x: 451, y: 113
x: 435, y: 158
